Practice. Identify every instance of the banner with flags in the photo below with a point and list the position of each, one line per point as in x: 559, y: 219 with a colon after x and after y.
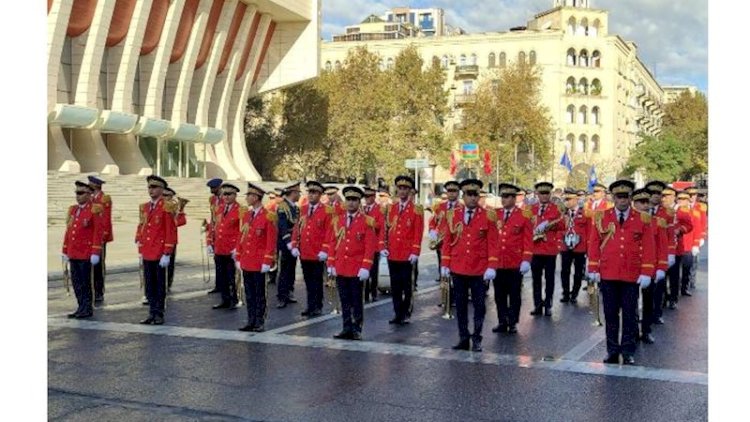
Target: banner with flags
x: 592, y: 178
x: 565, y: 161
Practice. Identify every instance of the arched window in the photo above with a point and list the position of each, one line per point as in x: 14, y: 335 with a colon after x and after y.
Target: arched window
x: 595, y: 115
x: 381, y: 64
x: 585, y: 25
x: 491, y: 60
x: 595, y: 143
x: 389, y: 63
x: 583, y: 115
x: 473, y: 59
x: 532, y: 57
x: 571, y: 57
x: 502, y: 60
x: 521, y: 57
x: 583, y: 86
x: 570, y: 114
x: 594, y: 29
x: 570, y: 86
x: 596, y: 59
x: 337, y: 66
x: 328, y: 65
x: 444, y: 61
x: 569, y: 140
x: 583, y: 59
x: 462, y: 60
x: 572, y: 26
x: 581, y: 144
x: 596, y: 87
x: 580, y: 30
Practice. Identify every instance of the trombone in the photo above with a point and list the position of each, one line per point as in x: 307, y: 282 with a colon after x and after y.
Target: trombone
x: 445, y: 295
x: 239, y: 287
x: 333, y: 297
x: 205, y: 258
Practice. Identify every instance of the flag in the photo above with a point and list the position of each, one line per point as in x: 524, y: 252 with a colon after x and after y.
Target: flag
x: 592, y: 178
x: 487, y: 163
x: 454, y: 164
x: 565, y: 162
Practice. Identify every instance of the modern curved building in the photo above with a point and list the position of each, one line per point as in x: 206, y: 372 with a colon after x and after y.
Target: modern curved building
x: 160, y: 86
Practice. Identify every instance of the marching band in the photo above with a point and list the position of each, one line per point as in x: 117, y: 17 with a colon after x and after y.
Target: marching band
x: 642, y: 245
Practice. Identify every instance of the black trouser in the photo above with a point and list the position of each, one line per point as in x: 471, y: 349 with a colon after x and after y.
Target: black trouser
x: 439, y: 257
x: 225, y: 273
x: 620, y: 296
x: 659, y: 291
x: 99, y: 270
x: 543, y: 264
x: 80, y: 274
x: 687, y: 268
x: 507, y: 286
x: 216, y: 279
x: 352, y: 306
x: 255, y: 295
x: 415, y: 273
x: 461, y: 286
x: 313, y: 271
x: 578, y: 260
x: 154, y: 277
x: 287, y: 274
x: 170, y: 267
x: 647, y: 314
x: 371, y: 286
x: 401, y: 273
x: 674, y: 279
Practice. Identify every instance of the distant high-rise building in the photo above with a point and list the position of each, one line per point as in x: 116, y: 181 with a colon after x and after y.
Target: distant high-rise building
x: 430, y: 22
x: 671, y: 93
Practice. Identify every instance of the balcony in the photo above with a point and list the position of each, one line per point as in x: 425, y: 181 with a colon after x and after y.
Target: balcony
x: 467, y: 71
x: 462, y: 99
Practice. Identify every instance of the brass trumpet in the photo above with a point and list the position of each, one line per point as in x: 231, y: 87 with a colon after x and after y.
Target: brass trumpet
x: 333, y: 297
x: 239, y: 286
x: 205, y: 259
x: 593, y: 291
x: 445, y: 295
x: 66, y: 276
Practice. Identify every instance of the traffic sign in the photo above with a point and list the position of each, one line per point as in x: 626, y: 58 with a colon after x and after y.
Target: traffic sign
x: 417, y: 163
x: 469, y: 152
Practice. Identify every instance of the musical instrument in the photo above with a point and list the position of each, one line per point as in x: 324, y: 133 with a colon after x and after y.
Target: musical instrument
x: 66, y: 276
x: 593, y: 291
x: 445, y: 296
x: 140, y: 274
x: 239, y: 287
x: 571, y: 239
x: 333, y: 297
x: 181, y: 202
x: 205, y: 258
x: 541, y: 235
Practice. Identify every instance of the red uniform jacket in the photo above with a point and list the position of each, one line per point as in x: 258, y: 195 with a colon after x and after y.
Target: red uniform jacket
x: 376, y: 212
x: 581, y: 225
x: 515, y: 238
x: 179, y: 220
x: 352, y: 248
x: 227, y: 230
x: 214, y: 201
x: 622, y: 253
x: 156, y: 232
x: 549, y: 245
x: 257, y: 242
x: 469, y: 249
x: 661, y: 239
x: 310, y: 232
x: 603, y: 205
x: 84, y: 234
x: 404, y: 231
x: 106, y: 202
x: 693, y: 237
x: 677, y: 221
x: 703, y: 229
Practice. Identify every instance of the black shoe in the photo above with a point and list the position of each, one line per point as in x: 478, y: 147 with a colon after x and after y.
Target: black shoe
x: 247, y: 328
x: 628, y: 360
x: 73, y: 315
x: 306, y: 312
x: 500, y: 328
x: 344, y: 335
x: 259, y: 329
x: 476, y: 346
x: 612, y: 358
x: 212, y: 291
x: 462, y: 345
x: 672, y: 305
x: 158, y: 320
x: 395, y: 321
x: 356, y: 336
x: 573, y: 300
x: 659, y: 321
x: 374, y: 298
x: 512, y: 329
x: 536, y: 311
x: 686, y: 293
x: 99, y: 299
x: 648, y: 338
x: 222, y: 305
x: 144, y: 301
x: 83, y: 315
x: 316, y: 312
x: 547, y: 311
x: 147, y: 321
x: 234, y: 306
x: 565, y: 299
x: 281, y: 304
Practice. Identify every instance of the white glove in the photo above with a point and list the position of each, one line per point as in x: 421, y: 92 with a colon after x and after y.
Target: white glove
x: 164, y: 261
x: 295, y: 252
x: 445, y: 271
x: 525, y: 267
x: 413, y: 259
x: 384, y: 253
x: 489, y: 274
x: 332, y: 271
x: 234, y: 254
x: 94, y: 259
x: 703, y: 242
x: 670, y: 260
x: 210, y: 250
x: 696, y: 250
x: 65, y: 258
x: 543, y: 225
x: 237, y: 265
x: 363, y: 274
x: 660, y: 275
x: 289, y: 246
x: 265, y: 268
x: 433, y: 235
x: 595, y: 277
x: 644, y: 281
x: 322, y: 256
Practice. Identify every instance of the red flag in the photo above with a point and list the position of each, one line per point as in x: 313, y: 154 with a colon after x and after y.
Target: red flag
x: 454, y: 164
x: 487, y: 163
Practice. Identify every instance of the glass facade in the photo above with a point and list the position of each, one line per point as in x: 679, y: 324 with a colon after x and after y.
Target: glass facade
x: 172, y: 158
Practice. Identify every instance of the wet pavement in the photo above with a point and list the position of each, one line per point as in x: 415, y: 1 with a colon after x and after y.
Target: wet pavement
x: 199, y: 367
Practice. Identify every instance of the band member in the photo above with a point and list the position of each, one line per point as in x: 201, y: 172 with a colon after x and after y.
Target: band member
x: 403, y: 243
x: 681, y: 223
x: 156, y: 237
x: 100, y: 269
x: 660, y: 213
x: 470, y: 257
x: 224, y: 243
x: 690, y: 242
x: 180, y: 220
x: 700, y: 234
x: 514, y: 254
x: 309, y: 245
x: 352, y: 243
x: 333, y: 200
x: 372, y: 209
x: 598, y: 201
x: 214, y: 204
x: 521, y: 199
x: 82, y: 246
x: 256, y: 252
x: 384, y: 197
x: 414, y: 268
x: 622, y: 257
x: 547, y: 224
x: 436, y: 223
x: 274, y: 199
x: 288, y: 213
x: 574, y: 244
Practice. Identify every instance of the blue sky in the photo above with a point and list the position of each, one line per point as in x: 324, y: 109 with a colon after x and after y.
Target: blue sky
x: 672, y: 36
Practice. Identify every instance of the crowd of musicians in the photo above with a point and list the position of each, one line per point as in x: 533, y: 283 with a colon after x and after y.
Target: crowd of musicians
x: 628, y: 243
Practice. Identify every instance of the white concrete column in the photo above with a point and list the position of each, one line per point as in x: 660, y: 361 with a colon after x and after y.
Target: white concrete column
x: 122, y: 96
x: 187, y: 63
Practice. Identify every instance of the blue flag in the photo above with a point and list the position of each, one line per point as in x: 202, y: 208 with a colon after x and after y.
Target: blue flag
x: 592, y: 178
x: 565, y: 162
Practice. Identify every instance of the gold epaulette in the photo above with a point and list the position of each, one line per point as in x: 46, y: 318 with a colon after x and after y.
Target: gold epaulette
x: 436, y: 207
x: 370, y: 221
x: 384, y: 209
x: 703, y: 206
x: 272, y: 217
x: 418, y: 209
x: 661, y: 222
x: 646, y: 217
x: 492, y: 215
x: 106, y: 199
x: 598, y: 216
x: 170, y: 206
x: 696, y: 213
x: 97, y: 208
x: 243, y: 211
x: 685, y: 208
x: 527, y: 213
x: 588, y: 212
x: 329, y: 209
x: 670, y: 211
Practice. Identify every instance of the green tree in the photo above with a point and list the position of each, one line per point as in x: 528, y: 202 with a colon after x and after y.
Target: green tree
x: 662, y: 158
x: 261, y: 136
x: 686, y: 119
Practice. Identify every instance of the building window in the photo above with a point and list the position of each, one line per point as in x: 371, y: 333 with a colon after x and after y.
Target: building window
x: 583, y: 86
x: 583, y: 59
x: 389, y: 63
x: 594, y: 30
x: 585, y: 25
x: 381, y: 64
x: 473, y: 59
x: 328, y: 66
x: 581, y: 144
x: 569, y: 140
x: 532, y: 57
x: 595, y: 144
x: 468, y: 87
x: 337, y: 66
x: 596, y: 87
x: 570, y: 86
x: 462, y: 60
x: 571, y: 61
x: 596, y: 58
x: 502, y: 60
x: 595, y: 115
x: 491, y: 60
x: 571, y: 26
x: 444, y: 61
x: 570, y: 114
x: 583, y: 115
x: 580, y: 30
x: 522, y: 57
